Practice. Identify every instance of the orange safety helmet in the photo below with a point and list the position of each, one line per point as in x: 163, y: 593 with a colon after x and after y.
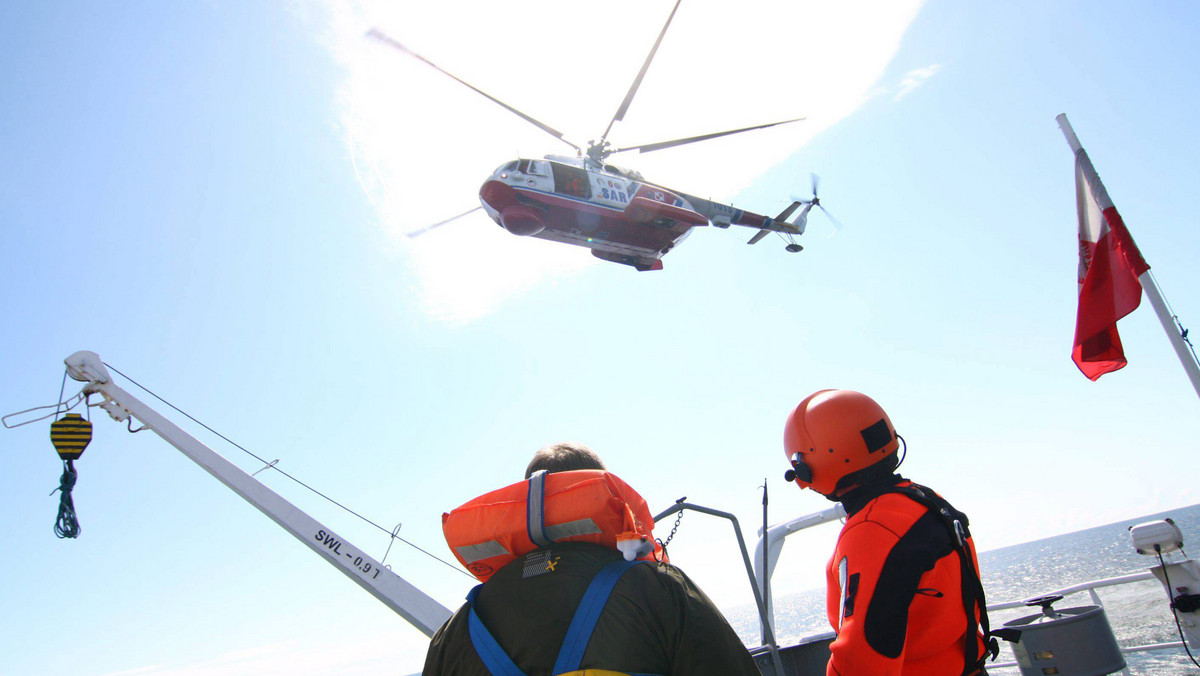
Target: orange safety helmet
x: 835, y: 434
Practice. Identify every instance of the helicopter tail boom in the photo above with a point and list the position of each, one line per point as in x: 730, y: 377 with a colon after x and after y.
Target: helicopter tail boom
x: 724, y: 215
x: 648, y: 210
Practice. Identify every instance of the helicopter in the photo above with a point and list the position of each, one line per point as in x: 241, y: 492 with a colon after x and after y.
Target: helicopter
x: 613, y: 211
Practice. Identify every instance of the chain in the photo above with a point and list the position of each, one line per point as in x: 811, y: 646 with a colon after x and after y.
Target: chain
x: 678, y: 518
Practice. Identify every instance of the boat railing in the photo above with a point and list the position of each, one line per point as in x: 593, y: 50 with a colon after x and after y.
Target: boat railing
x: 1090, y: 587
x: 768, y: 635
x: 771, y: 540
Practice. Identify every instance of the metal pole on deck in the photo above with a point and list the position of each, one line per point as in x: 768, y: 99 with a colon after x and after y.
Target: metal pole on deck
x: 1186, y: 357
x: 768, y: 632
x: 766, y: 581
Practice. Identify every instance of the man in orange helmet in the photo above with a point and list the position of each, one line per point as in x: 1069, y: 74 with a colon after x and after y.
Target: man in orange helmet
x: 903, y: 590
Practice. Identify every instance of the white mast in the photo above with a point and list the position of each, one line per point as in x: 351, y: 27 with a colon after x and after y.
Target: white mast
x: 1148, y: 286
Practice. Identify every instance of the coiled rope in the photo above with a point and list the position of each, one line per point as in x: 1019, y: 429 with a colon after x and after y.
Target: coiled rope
x: 67, y: 524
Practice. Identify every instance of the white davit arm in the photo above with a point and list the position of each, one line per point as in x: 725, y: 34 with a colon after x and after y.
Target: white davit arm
x: 409, y: 602
x: 772, y: 541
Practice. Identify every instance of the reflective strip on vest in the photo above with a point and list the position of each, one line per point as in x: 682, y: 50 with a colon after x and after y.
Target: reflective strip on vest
x: 572, y: 529
x: 842, y: 584
x: 535, y: 512
x: 484, y: 550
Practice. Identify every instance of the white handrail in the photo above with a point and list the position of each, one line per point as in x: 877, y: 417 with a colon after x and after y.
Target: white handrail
x: 1090, y: 587
x: 1083, y: 586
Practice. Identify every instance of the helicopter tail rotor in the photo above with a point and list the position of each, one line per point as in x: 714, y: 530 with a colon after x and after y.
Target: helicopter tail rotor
x: 837, y: 225
x: 801, y: 221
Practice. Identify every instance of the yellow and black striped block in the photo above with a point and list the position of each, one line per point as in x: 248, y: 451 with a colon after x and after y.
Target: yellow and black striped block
x: 70, y: 435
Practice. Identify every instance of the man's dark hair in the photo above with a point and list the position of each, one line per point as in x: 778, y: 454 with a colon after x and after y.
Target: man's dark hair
x: 564, y: 457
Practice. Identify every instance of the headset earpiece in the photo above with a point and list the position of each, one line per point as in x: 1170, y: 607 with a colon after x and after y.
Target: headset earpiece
x: 799, y: 470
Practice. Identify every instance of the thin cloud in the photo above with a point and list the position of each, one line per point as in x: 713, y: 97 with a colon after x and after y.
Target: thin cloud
x: 915, y: 78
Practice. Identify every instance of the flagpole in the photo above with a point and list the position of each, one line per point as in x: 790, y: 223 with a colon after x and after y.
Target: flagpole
x: 1164, y: 317
x: 1148, y: 286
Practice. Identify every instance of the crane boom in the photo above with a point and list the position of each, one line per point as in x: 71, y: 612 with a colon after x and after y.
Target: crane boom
x: 418, y: 608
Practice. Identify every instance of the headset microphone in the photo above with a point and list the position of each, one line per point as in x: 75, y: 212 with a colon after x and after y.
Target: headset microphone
x: 789, y: 475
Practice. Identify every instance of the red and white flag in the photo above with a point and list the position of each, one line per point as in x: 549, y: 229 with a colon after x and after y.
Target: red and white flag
x: 1109, y: 267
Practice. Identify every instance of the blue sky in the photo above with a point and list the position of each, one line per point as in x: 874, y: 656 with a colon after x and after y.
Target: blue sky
x: 212, y: 196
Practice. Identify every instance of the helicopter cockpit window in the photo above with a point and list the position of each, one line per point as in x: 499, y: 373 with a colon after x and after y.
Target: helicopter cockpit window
x: 627, y: 173
x: 523, y: 166
x: 569, y: 180
x: 510, y: 166
x: 538, y: 168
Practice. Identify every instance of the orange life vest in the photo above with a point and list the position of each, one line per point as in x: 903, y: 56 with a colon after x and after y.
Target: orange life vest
x: 577, y: 506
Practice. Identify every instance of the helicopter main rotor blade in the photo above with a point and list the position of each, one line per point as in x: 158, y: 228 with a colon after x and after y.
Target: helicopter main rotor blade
x: 391, y: 42
x: 637, y: 82
x: 422, y: 231
x: 651, y: 147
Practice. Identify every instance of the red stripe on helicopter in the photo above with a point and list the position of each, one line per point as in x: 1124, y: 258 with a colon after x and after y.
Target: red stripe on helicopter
x: 753, y: 220
x: 641, y: 208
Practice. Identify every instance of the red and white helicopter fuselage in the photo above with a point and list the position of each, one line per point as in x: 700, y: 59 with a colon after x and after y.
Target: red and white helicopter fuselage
x: 612, y: 211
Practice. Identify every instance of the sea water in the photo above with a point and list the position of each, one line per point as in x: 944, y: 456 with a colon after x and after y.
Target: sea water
x: 1138, y: 612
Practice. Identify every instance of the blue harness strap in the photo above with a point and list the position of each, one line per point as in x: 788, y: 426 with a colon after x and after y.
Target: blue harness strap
x: 570, y: 655
x: 579, y: 633
x: 494, y: 658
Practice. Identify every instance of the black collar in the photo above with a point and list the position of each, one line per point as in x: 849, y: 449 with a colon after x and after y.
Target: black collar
x: 855, y: 500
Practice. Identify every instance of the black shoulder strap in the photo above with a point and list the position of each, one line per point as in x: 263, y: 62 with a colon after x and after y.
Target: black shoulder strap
x: 972, y: 587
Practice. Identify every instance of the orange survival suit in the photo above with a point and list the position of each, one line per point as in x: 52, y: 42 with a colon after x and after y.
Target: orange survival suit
x: 901, y: 595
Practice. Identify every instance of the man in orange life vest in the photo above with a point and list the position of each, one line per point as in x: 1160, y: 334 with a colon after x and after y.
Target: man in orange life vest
x: 903, y: 590
x: 566, y: 607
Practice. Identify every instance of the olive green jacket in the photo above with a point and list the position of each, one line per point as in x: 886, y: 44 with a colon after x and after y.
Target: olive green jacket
x: 655, y: 622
